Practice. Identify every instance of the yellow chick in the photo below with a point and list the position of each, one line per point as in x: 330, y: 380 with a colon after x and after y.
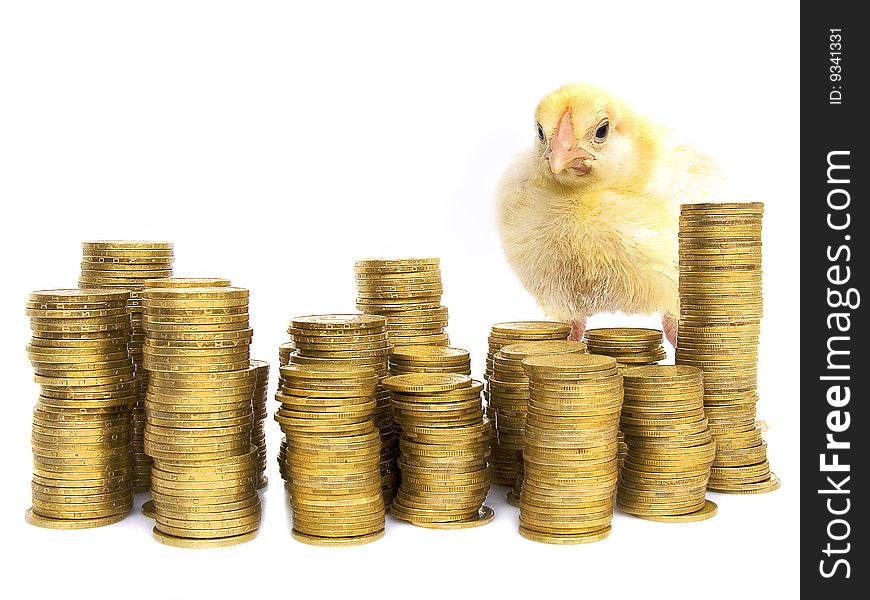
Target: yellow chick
x: 588, y: 215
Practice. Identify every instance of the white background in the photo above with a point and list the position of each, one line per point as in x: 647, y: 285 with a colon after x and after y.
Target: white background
x: 274, y: 144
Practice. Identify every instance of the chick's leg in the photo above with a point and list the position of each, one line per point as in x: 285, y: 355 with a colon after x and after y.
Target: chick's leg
x: 670, y: 324
x: 578, y: 326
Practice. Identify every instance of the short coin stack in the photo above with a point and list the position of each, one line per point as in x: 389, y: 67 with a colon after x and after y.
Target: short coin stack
x: 506, y: 462
x: 407, y: 291
x: 570, y: 448
x: 720, y: 321
x: 199, y: 408
x: 129, y: 265
x: 670, y: 447
x: 429, y: 359
x: 353, y: 340
x: 333, y: 452
x: 630, y: 346
x: 258, y: 432
x: 443, y: 448
x: 82, y: 465
x: 509, y: 395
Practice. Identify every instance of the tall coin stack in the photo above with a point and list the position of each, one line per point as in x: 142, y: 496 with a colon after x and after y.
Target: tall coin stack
x: 357, y: 340
x: 258, y: 432
x: 630, y: 346
x: 570, y: 448
x: 129, y: 265
x: 720, y: 321
x: 82, y: 465
x: 333, y: 452
x: 505, y: 462
x: 509, y: 396
x: 407, y: 291
x: 200, y: 415
x: 670, y: 446
x: 443, y: 450
x: 429, y: 359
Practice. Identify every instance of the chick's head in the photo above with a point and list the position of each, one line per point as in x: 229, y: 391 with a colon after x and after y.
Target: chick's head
x: 587, y: 136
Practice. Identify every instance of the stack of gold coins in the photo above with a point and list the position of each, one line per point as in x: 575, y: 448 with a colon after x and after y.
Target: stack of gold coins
x: 175, y: 282
x: 129, y: 265
x: 258, y: 432
x: 570, y: 448
x: 505, y: 462
x: 670, y: 446
x: 429, y: 359
x: 630, y: 346
x: 284, y: 352
x: 407, y: 291
x: 443, y: 449
x: 720, y: 321
x: 333, y: 452
x: 358, y: 340
x: 509, y: 396
x: 200, y: 415
x: 82, y: 465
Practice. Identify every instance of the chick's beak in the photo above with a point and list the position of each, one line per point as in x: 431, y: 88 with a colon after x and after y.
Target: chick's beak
x: 563, y: 152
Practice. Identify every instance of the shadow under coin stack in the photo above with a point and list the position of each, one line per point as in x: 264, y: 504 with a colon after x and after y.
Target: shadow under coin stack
x: 444, y: 446
x: 670, y: 446
x: 509, y: 396
x: 353, y: 340
x: 429, y: 359
x: 720, y: 321
x: 407, y: 291
x: 82, y: 465
x: 630, y: 346
x: 129, y: 265
x: 333, y: 453
x: 570, y: 448
x: 258, y: 432
x: 199, y: 407
x: 505, y: 462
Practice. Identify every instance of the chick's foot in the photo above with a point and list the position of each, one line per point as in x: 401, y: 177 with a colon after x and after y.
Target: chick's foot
x: 578, y: 327
x: 670, y: 325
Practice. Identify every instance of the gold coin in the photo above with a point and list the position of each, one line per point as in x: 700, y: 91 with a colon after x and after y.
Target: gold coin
x: 189, y: 282
x: 414, y: 383
x: 531, y: 327
x: 380, y: 263
x: 182, y: 542
x: 337, y: 322
x: 431, y: 354
x: 562, y: 364
x: 126, y: 245
x: 49, y: 298
x: 52, y: 523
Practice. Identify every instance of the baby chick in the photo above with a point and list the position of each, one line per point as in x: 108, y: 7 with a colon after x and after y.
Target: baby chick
x: 588, y: 215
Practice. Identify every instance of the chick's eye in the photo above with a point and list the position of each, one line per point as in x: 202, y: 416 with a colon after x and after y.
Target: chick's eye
x: 540, y: 131
x: 602, y: 131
